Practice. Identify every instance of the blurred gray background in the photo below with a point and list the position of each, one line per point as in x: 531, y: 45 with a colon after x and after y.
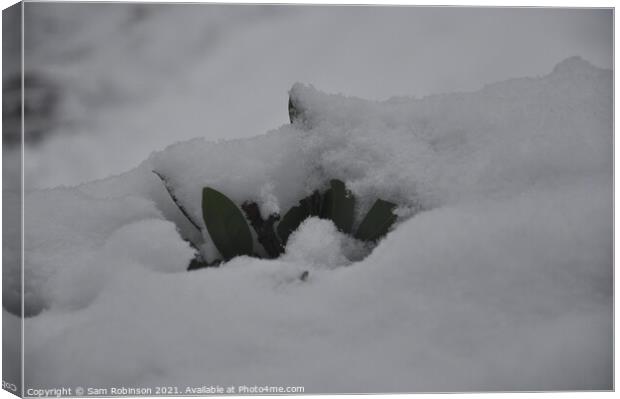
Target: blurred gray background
x: 107, y: 84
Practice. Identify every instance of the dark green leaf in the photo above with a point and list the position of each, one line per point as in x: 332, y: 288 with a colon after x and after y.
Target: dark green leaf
x: 265, y: 232
x: 293, y: 113
x: 297, y: 113
x: 327, y: 204
x: 338, y: 205
x: 291, y: 220
x: 377, y: 222
x: 312, y: 204
x: 226, y: 225
x: 199, y: 263
x: 309, y: 206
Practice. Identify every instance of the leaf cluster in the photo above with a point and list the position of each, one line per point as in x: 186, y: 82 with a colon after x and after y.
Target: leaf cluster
x: 229, y: 229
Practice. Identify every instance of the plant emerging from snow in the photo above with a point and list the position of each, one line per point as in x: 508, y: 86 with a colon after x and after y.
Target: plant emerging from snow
x: 229, y: 230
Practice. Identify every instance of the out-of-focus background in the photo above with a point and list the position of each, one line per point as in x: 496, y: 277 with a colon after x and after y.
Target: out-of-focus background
x: 107, y: 84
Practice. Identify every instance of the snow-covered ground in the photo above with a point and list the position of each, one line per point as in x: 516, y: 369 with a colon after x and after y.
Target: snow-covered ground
x: 497, y: 276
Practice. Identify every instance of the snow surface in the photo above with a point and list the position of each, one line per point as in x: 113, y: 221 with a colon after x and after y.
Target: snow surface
x: 497, y: 276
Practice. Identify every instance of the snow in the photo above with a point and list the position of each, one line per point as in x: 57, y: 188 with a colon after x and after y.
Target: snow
x: 136, y: 78
x: 319, y: 244
x: 497, y: 275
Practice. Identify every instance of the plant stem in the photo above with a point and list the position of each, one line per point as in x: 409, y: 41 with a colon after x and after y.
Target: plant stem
x: 264, y: 229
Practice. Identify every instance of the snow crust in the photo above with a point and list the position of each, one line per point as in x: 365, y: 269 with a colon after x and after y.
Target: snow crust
x: 497, y: 276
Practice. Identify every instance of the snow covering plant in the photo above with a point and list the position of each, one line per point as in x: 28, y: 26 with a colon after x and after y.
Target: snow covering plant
x: 503, y: 280
x: 228, y: 226
x: 229, y: 230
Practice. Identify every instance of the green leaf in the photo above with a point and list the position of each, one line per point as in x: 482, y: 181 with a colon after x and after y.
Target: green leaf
x: 226, y: 225
x: 291, y: 220
x: 293, y: 113
x: 312, y: 203
x: 309, y: 206
x: 265, y: 232
x: 338, y: 205
x: 297, y: 112
x: 198, y: 263
x: 377, y: 222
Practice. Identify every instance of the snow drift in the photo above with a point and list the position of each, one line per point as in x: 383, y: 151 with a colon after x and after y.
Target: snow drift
x: 497, y: 276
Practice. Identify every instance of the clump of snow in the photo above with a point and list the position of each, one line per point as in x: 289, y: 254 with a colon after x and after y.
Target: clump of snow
x: 498, y: 275
x: 316, y: 242
x: 268, y: 201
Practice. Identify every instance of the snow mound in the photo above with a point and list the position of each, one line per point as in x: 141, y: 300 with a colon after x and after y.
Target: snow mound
x: 497, y: 275
x: 319, y: 244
